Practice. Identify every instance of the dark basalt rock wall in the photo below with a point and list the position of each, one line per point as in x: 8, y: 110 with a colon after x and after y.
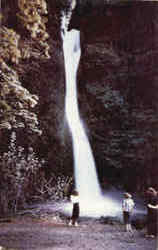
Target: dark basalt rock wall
x: 118, y: 88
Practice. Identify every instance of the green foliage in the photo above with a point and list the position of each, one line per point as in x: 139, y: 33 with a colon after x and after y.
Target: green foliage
x: 15, y: 102
x: 32, y: 16
x: 9, y: 41
x: 19, y: 174
x: 54, y: 189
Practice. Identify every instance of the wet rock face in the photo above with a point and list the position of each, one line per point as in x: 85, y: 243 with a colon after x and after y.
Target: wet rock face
x: 123, y: 45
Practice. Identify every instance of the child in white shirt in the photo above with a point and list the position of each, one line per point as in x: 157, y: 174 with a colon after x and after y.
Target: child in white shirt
x: 127, y: 208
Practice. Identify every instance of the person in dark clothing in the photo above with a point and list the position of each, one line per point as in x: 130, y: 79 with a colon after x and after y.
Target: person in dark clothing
x: 152, y: 212
x: 76, y: 209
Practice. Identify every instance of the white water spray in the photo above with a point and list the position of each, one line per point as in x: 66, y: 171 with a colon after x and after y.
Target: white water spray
x: 92, y: 203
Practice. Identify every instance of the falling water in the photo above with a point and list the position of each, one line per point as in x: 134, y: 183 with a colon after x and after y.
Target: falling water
x: 92, y: 202
x: 85, y: 172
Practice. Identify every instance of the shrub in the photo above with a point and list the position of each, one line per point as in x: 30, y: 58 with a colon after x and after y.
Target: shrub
x: 18, y: 173
x: 55, y: 189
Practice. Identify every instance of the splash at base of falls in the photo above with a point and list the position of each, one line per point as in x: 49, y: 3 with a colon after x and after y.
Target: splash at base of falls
x: 96, y: 209
x: 110, y: 205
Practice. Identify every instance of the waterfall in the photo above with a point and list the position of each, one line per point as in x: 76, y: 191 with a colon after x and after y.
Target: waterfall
x: 92, y: 202
x: 85, y: 171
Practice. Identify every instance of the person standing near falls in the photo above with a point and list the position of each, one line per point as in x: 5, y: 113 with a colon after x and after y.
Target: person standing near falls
x: 127, y: 208
x: 152, y: 212
x: 76, y: 209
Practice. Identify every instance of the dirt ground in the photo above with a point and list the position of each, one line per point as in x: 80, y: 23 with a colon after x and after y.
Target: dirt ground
x: 47, y: 234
